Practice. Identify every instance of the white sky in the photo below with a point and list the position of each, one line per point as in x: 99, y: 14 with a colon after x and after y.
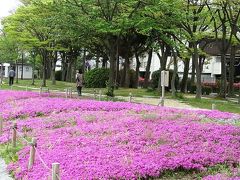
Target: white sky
x: 6, y: 6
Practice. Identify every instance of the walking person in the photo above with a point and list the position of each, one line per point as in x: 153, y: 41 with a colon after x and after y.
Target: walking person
x: 79, y: 81
x: 11, y: 75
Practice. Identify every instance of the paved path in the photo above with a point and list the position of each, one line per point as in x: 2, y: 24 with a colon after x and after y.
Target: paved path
x: 145, y: 100
x: 3, y: 172
x: 155, y: 101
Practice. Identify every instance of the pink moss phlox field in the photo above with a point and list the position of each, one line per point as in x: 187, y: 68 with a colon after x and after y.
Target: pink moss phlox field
x: 107, y: 140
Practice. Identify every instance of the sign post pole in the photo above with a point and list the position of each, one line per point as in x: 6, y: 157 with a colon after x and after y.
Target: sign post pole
x: 163, y: 88
x: 164, y: 82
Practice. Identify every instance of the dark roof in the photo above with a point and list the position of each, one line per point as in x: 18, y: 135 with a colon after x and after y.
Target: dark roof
x: 212, y: 47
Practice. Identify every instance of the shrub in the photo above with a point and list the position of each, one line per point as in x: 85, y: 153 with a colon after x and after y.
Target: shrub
x: 214, y: 87
x: 140, y: 81
x: 132, y: 77
x: 131, y: 74
x: 236, y: 86
x: 206, y: 90
x: 96, y: 78
x: 155, y: 78
x: 58, y: 75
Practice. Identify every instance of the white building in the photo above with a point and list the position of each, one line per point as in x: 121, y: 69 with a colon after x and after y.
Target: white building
x: 211, y: 68
x: 27, y: 70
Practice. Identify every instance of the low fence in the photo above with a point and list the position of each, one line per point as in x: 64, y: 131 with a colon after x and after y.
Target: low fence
x: 54, y: 170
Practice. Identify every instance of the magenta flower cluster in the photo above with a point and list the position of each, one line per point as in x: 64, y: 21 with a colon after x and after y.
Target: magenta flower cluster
x: 107, y: 140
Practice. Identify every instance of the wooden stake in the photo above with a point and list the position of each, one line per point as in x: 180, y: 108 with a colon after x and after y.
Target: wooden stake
x: 100, y: 95
x: 94, y: 92
x: 14, y: 137
x: 40, y: 90
x: 213, y: 106
x: 32, y: 153
x: 130, y: 97
x: 55, y: 171
x: 67, y: 93
x: 70, y: 92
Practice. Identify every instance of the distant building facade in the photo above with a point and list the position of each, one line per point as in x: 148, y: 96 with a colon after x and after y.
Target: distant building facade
x: 26, y: 73
x: 211, y: 68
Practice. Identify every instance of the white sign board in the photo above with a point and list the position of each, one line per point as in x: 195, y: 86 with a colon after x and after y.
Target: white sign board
x: 165, y: 78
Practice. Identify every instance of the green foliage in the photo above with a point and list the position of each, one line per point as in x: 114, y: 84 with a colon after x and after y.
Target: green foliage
x: 8, y: 153
x: 206, y: 90
x: 58, y: 75
x: 110, y: 89
x: 131, y: 74
x: 96, y: 78
x: 8, y: 49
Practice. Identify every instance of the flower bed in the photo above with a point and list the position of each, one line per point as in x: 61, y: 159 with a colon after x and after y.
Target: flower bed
x: 106, y: 140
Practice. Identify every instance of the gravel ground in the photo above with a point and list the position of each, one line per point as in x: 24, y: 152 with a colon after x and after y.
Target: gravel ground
x: 155, y: 101
x: 3, y: 172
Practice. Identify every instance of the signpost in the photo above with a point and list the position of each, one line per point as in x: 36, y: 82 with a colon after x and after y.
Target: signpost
x: 164, y: 83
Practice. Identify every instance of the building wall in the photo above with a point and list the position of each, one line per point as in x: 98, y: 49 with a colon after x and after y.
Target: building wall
x: 27, y: 71
x: 211, y: 68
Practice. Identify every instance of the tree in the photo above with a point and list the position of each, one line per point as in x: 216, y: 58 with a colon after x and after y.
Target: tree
x: 194, y: 27
x: 225, y: 15
x: 107, y: 19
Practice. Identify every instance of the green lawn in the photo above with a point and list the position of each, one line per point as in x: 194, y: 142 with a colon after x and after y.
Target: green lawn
x: 221, y: 105
x: 60, y: 85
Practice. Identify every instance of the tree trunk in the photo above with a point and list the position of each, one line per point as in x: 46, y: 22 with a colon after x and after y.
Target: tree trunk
x: 48, y: 65
x: 44, y: 64
x: 44, y: 69
x: 147, y: 74
x: 137, y: 70
x: 185, y: 75
x: 22, y: 68
x: 232, y: 70
x: 165, y: 50
x: 223, y: 86
x: 127, y: 75
x: 33, y: 69
x: 74, y: 69
x: 117, y: 69
x: 112, y: 54
x: 192, y: 81
x: 69, y: 70
x: 16, y: 71
x: 64, y: 64
x: 97, y: 61
x: 104, y: 62
x: 1, y: 74
x: 53, y: 67
x: 123, y: 75
x: 84, y: 60
x: 198, y: 72
x: 174, y: 74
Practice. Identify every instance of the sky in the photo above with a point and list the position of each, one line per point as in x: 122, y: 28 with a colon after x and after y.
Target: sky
x: 6, y: 6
